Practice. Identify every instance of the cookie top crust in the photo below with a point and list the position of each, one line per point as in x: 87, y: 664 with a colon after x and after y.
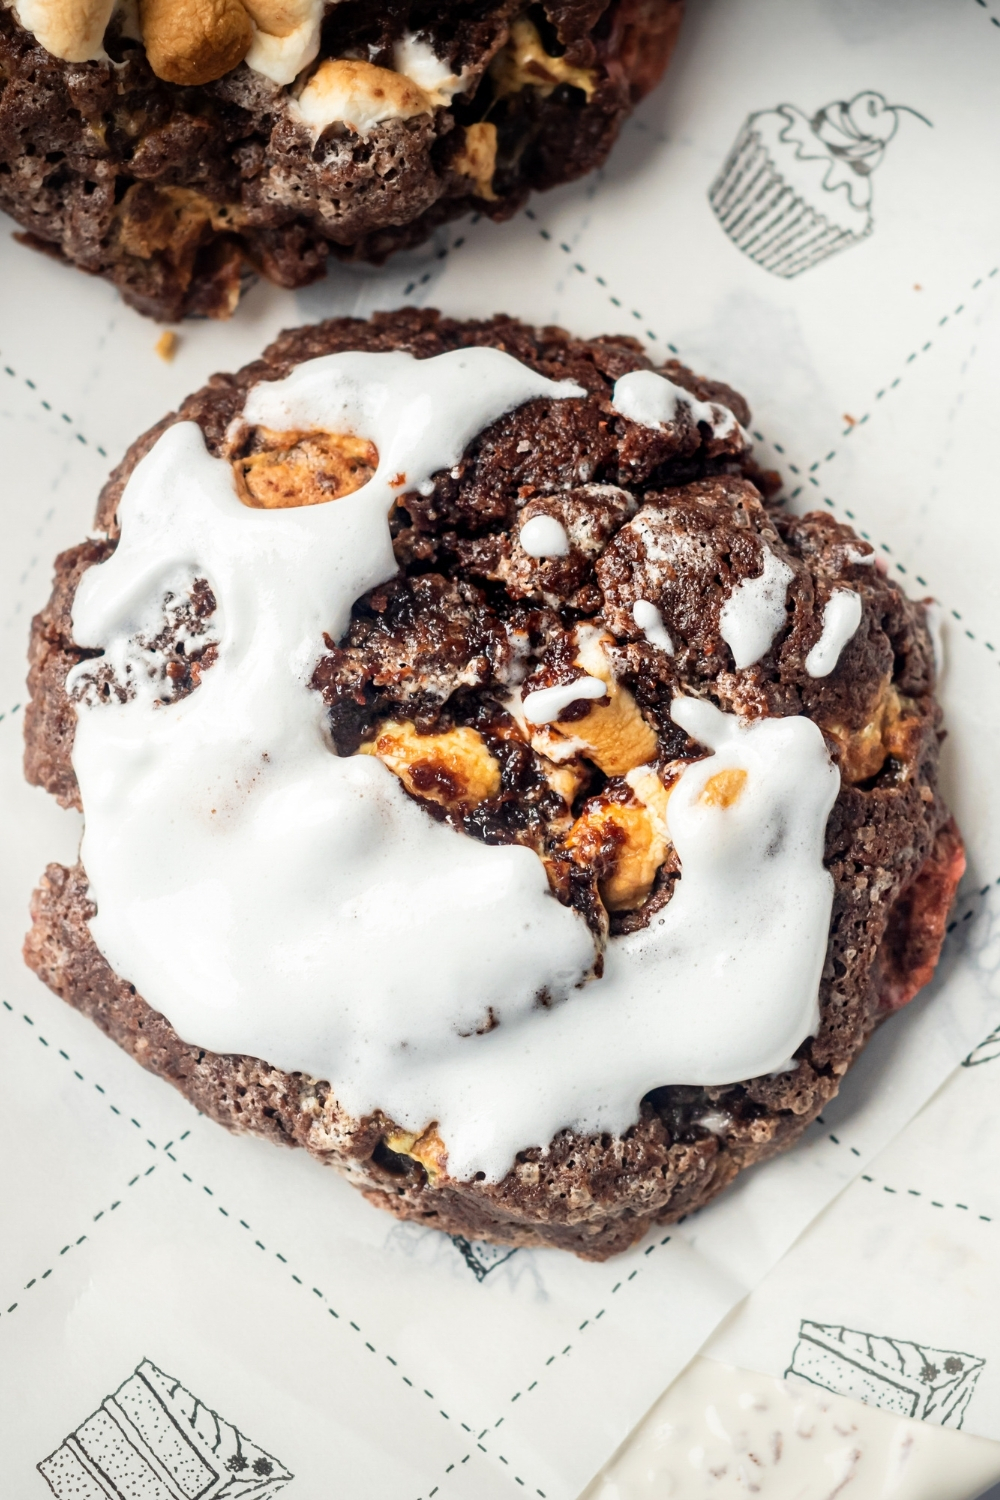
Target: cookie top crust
x: 192, y: 44
x: 180, y: 148
x: 553, y: 628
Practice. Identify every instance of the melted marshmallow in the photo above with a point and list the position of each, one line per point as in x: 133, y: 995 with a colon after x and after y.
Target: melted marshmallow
x: 653, y: 401
x: 421, y: 64
x: 74, y: 32
x: 273, y: 899
x: 722, y: 985
x: 650, y: 622
x: 360, y: 96
x: 755, y: 611
x: 544, y: 536
x: 282, y: 57
x: 353, y: 93
x: 841, y: 618
x: 546, y: 705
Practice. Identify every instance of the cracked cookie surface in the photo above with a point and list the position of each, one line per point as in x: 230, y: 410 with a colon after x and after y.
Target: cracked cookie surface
x: 181, y: 156
x: 428, y: 676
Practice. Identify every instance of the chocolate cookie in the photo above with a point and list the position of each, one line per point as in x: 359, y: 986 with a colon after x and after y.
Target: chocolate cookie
x: 174, y: 147
x: 578, y: 826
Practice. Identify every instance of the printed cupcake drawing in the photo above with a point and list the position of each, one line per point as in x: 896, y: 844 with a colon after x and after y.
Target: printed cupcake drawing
x: 796, y: 188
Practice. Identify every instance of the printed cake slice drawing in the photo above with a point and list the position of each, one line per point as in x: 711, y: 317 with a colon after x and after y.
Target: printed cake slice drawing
x: 796, y: 188
x: 911, y: 1380
x: 153, y: 1440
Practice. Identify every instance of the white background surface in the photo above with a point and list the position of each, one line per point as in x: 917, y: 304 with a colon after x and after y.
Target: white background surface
x: 365, y: 1353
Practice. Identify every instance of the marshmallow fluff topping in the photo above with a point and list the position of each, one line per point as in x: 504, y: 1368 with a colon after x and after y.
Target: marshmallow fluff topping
x: 274, y: 899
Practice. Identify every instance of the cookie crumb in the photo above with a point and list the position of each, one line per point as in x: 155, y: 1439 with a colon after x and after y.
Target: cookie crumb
x: 166, y: 344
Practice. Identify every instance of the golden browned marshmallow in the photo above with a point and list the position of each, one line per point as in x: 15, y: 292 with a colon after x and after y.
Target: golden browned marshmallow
x: 891, y: 730
x: 358, y: 95
x: 454, y: 769
x: 568, y: 779
x: 151, y: 219
x: 286, y: 37
x: 478, y: 157
x: 173, y: 220
x: 524, y: 63
x: 654, y: 793
x: 629, y: 838
x: 303, y: 468
x: 613, y: 735
x: 724, y: 788
x: 626, y: 837
x: 192, y: 42
x: 70, y: 29
x: 427, y: 1148
x: 279, y: 17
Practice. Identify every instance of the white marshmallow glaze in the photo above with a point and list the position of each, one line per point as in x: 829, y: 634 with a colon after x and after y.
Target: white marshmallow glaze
x: 653, y: 401
x: 416, y: 58
x: 650, y: 622
x: 544, y: 536
x: 841, y: 618
x: 755, y: 611
x: 548, y: 704
x: 274, y: 899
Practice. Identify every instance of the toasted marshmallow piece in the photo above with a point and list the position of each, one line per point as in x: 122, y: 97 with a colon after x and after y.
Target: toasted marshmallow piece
x: 357, y: 94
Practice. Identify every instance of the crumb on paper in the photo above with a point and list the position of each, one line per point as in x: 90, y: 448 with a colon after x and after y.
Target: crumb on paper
x: 917, y: 287
x: 166, y: 344
x: 851, y: 421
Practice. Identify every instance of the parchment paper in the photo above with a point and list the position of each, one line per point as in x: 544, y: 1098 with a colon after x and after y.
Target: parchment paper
x: 370, y: 1358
